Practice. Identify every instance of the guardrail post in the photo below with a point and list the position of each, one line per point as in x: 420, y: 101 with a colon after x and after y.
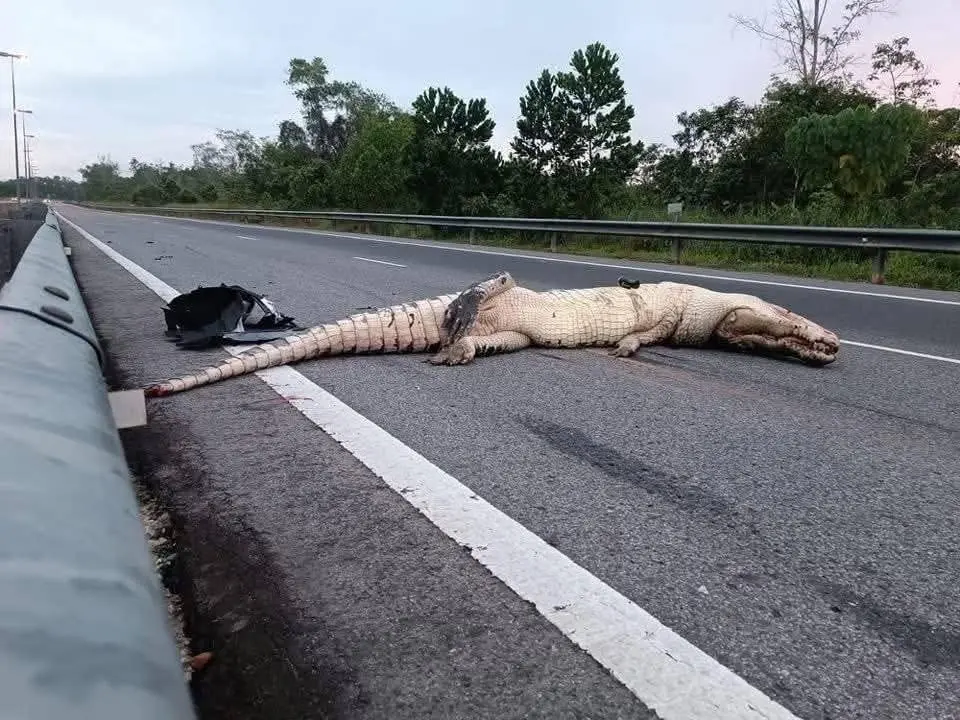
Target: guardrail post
x: 879, y: 263
x: 473, y: 235
x: 553, y: 241
x: 676, y: 249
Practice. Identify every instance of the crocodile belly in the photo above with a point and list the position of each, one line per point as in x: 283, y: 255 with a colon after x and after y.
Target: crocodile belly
x: 580, y: 328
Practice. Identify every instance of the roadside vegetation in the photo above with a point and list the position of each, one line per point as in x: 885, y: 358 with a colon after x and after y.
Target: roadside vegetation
x: 822, y: 147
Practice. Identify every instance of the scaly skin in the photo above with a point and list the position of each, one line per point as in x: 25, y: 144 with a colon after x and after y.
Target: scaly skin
x: 405, y: 328
x: 497, y: 316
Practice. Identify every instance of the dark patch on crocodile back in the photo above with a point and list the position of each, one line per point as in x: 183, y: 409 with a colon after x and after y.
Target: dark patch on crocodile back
x: 637, y: 304
x: 461, y: 314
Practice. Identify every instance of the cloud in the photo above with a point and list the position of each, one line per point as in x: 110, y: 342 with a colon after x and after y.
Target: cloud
x: 113, y: 39
x: 148, y: 80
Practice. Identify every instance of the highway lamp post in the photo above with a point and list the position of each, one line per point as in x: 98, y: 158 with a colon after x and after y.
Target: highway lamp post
x: 28, y: 163
x: 13, y: 92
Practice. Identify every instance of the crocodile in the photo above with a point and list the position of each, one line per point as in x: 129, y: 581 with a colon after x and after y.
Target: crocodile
x: 496, y: 315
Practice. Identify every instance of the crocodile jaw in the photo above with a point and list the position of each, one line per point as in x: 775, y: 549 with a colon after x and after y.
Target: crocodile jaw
x: 775, y: 330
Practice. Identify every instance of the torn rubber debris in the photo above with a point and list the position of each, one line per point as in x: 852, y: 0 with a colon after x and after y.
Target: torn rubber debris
x: 211, y: 316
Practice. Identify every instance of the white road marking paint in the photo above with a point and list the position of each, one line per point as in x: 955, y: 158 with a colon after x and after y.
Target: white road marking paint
x: 939, y: 358
x: 635, y: 268
x: 247, y: 237
x: 571, y: 261
x: 166, y: 292
x: 668, y: 674
x: 381, y: 262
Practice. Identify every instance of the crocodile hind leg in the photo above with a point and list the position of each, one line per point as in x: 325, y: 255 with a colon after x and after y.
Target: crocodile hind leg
x: 467, y: 348
x: 461, y: 313
x: 632, y: 342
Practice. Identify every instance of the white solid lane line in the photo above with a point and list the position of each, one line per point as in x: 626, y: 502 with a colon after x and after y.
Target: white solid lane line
x: 571, y: 261
x: 668, y: 674
x: 940, y: 358
x: 166, y: 292
x: 381, y: 262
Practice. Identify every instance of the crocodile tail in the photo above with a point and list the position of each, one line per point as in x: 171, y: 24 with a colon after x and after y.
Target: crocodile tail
x: 404, y: 328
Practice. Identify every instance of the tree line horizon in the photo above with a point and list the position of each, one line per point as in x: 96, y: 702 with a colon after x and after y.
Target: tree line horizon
x: 819, y: 147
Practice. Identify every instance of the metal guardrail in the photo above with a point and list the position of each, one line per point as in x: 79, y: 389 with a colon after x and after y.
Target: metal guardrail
x: 83, y: 620
x: 879, y: 240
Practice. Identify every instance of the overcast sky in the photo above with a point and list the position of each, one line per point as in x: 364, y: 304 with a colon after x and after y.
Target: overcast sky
x: 147, y: 80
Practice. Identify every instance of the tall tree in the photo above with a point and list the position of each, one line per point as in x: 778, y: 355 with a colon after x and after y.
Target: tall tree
x: 228, y: 155
x: 706, y: 167
x: 451, y: 164
x: 767, y: 176
x: 545, y: 133
x: 807, y: 48
x: 292, y: 136
x: 321, y: 96
x: 102, y: 180
x: 595, y: 104
x: 857, y: 152
x: 546, y: 138
x: 900, y: 75
x: 372, y: 174
x: 573, y: 147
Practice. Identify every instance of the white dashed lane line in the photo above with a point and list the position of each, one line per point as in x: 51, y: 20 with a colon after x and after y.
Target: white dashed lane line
x: 565, y: 260
x: 381, y: 262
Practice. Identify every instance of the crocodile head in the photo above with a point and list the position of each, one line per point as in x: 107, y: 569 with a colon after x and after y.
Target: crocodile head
x: 768, y: 328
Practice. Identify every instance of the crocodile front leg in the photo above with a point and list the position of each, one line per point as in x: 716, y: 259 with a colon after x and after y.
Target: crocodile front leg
x: 466, y: 349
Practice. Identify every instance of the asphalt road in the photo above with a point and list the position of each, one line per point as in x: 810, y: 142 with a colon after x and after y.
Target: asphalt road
x: 797, y: 524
